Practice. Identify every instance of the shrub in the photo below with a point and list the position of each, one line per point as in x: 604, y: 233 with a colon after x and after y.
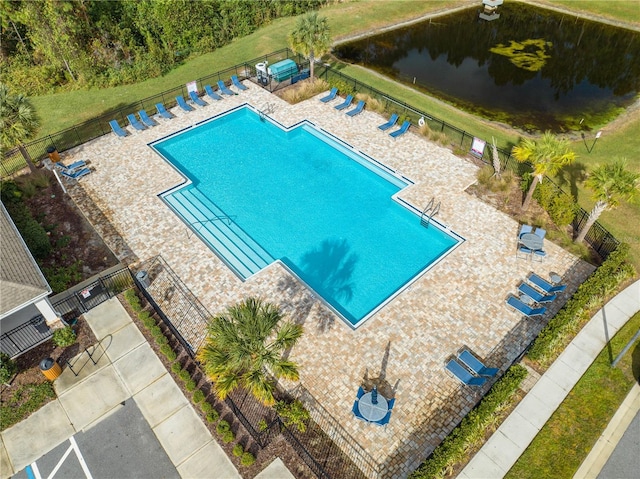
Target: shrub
x: 161, y: 339
x: 155, y: 331
x: 198, y: 396
x: 262, y: 425
x: 238, y: 450
x: 24, y: 401
x: 372, y: 104
x: 8, y: 368
x: 247, y: 459
x: 304, y: 91
x: 64, y: 337
x: 184, y: 375
x: 473, y: 427
x: 130, y: 295
x: 222, y: 427
x: 32, y: 232
x: 176, y: 368
x: 563, y: 210
x: 63, y: 241
x: 293, y: 414
x: 343, y: 87
x: 212, y: 416
x: 189, y: 384
x: 206, y: 407
x: 169, y: 353
x: 228, y: 436
x: 62, y: 277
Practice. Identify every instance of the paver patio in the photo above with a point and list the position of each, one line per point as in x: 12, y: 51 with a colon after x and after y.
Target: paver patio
x: 459, y: 302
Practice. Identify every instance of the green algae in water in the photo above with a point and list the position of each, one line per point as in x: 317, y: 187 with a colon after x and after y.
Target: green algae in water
x: 529, y: 54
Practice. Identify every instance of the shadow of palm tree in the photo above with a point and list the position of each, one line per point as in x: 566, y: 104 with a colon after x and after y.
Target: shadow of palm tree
x: 571, y: 175
x: 330, y: 268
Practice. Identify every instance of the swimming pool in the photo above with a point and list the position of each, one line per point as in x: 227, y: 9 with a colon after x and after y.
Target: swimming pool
x: 257, y: 192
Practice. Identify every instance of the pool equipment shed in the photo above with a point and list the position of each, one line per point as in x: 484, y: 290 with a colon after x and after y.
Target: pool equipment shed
x: 283, y: 70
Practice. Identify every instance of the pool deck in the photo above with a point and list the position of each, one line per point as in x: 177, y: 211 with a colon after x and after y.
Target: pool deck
x: 459, y: 302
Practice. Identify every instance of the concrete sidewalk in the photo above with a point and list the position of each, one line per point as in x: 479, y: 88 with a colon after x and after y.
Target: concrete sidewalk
x: 126, y: 368
x: 515, y: 434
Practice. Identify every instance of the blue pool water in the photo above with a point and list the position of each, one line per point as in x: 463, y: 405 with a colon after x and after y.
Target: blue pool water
x: 260, y: 193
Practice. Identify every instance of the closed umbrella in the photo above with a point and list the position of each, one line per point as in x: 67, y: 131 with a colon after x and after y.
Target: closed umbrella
x: 374, y: 395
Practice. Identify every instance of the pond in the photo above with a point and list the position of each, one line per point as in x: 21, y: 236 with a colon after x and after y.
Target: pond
x: 531, y: 68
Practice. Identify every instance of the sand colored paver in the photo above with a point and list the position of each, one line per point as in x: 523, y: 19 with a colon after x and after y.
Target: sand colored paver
x: 459, y: 302
x: 159, y: 400
x: 47, y: 427
x: 181, y: 434
x: 210, y: 461
x: 139, y: 368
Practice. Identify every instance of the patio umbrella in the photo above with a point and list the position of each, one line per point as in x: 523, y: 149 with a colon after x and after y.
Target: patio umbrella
x: 374, y: 395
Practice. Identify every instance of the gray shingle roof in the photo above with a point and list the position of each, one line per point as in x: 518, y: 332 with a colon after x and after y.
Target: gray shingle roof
x: 21, y: 281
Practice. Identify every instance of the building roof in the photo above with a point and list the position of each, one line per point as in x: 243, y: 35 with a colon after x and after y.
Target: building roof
x: 21, y: 281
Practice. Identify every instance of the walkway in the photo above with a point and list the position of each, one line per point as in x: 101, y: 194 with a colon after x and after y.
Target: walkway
x: 515, y: 434
x: 127, y: 368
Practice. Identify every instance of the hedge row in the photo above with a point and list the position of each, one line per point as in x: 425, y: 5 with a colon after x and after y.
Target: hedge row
x: 590, y: 296
x: 471, y: 431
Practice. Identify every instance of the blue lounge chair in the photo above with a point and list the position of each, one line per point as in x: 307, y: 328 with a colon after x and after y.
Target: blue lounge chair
x: 544, y: 286
x: 75, y: 174
x: 332, y: 94
x: 224, y: 89
x: 359, y: 107
x: 356, y: 411
x: 162, y: 111
x: 345, y: 104
x: 212, y: 94
x: 237, y: 84
x: 525, y: 229
x: 117, y: 129
x: 133, y: 121
x: 463, y: 375
x: 196, y: 99
x: 405, y: 126
x: 535, y: 294
x: 528, y: 311
x: 390, y: 123
x: 72, y: 167
x: 476, y: 365
x: 146, y: 119
x: 183, y: 104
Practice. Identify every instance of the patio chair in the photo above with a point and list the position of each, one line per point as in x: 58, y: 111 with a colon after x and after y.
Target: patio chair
x: 528, y: 311
x: 476, y: 365
x: 237, y: 84
x: 196, y: 99
x: 525, y: 229
x: 360, y: 392
x: 72, y: 167
x: 133, y: 121
x: 385, y: 420
x: 162, y: 111
x: 146, y: 119
x: 345, y: 104
x: 75, y: 175
x: 332, y: 94
x: 212, y: 94
x: 405, y: 126
x: 117, y: 129
x: 359, y: 107
x: 183, y: 104
x: 224, y: 89
x: 356, y: 411
x: 525, y: 251
x: 534, y: 294
x: 464, y: 376
x: 539, y: 254
x: 540, y: 232
x: 390, y: 123
x: 544, y: 285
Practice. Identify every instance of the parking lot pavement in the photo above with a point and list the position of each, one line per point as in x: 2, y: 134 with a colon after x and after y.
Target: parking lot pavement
x: 120, y: 446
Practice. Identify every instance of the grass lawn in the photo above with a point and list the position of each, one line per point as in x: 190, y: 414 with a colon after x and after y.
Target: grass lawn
x: 566, y: 439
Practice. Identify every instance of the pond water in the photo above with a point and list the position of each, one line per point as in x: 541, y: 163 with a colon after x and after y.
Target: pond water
x: 531, y: 68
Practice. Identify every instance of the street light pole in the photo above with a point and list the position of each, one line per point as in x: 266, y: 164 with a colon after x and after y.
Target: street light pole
x: 598, y: 135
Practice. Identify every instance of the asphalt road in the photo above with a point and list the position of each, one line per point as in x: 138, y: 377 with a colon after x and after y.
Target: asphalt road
x: 120, y: 446
x: 624, y: 462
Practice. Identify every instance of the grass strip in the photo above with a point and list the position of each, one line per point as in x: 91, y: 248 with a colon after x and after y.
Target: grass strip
x: 566, y: 439
x: 25, y: 400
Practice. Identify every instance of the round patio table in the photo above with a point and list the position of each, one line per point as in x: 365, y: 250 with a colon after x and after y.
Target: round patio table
x: 531, y: 241
x: 373, y: 412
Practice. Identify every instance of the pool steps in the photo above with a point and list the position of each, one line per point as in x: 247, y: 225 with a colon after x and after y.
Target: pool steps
x: 231, y: 242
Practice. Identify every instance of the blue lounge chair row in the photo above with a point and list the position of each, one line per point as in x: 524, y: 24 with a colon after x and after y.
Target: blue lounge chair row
x: 540, y: 291
x: 469, y: 369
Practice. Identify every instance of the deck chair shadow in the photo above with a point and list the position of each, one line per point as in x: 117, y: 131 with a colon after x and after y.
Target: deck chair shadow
x: 212, y: 94
x: 476, y: 365
x: 183, y: 104
x: 196, y: 99
x: 464, y: 376
x: 117, y: 129
x: 390, y: 123
x: 237, y: 84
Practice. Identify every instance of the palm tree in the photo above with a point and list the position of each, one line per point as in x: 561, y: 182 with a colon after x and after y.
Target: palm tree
x: 611, y: 184
x: 18, y: 121
x: 245, y: 346
x: 547, y: 156
x: 310, y: 38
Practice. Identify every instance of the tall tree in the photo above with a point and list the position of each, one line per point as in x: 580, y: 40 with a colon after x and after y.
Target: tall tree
x: 18, y: 121
x: 547, y: 155
x: 245, y: 347
x: 311, y: 38
x: 611, y: 184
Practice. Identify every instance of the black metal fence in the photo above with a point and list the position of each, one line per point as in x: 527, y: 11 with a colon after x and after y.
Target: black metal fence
x: 24, y: 337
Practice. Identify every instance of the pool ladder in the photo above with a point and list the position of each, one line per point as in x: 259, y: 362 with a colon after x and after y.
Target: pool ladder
x: 429, y: 212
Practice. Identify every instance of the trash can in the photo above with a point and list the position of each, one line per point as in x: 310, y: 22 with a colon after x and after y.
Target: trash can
x: 50, y: 368
x: 53, y: 154
x: 143, y: 278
